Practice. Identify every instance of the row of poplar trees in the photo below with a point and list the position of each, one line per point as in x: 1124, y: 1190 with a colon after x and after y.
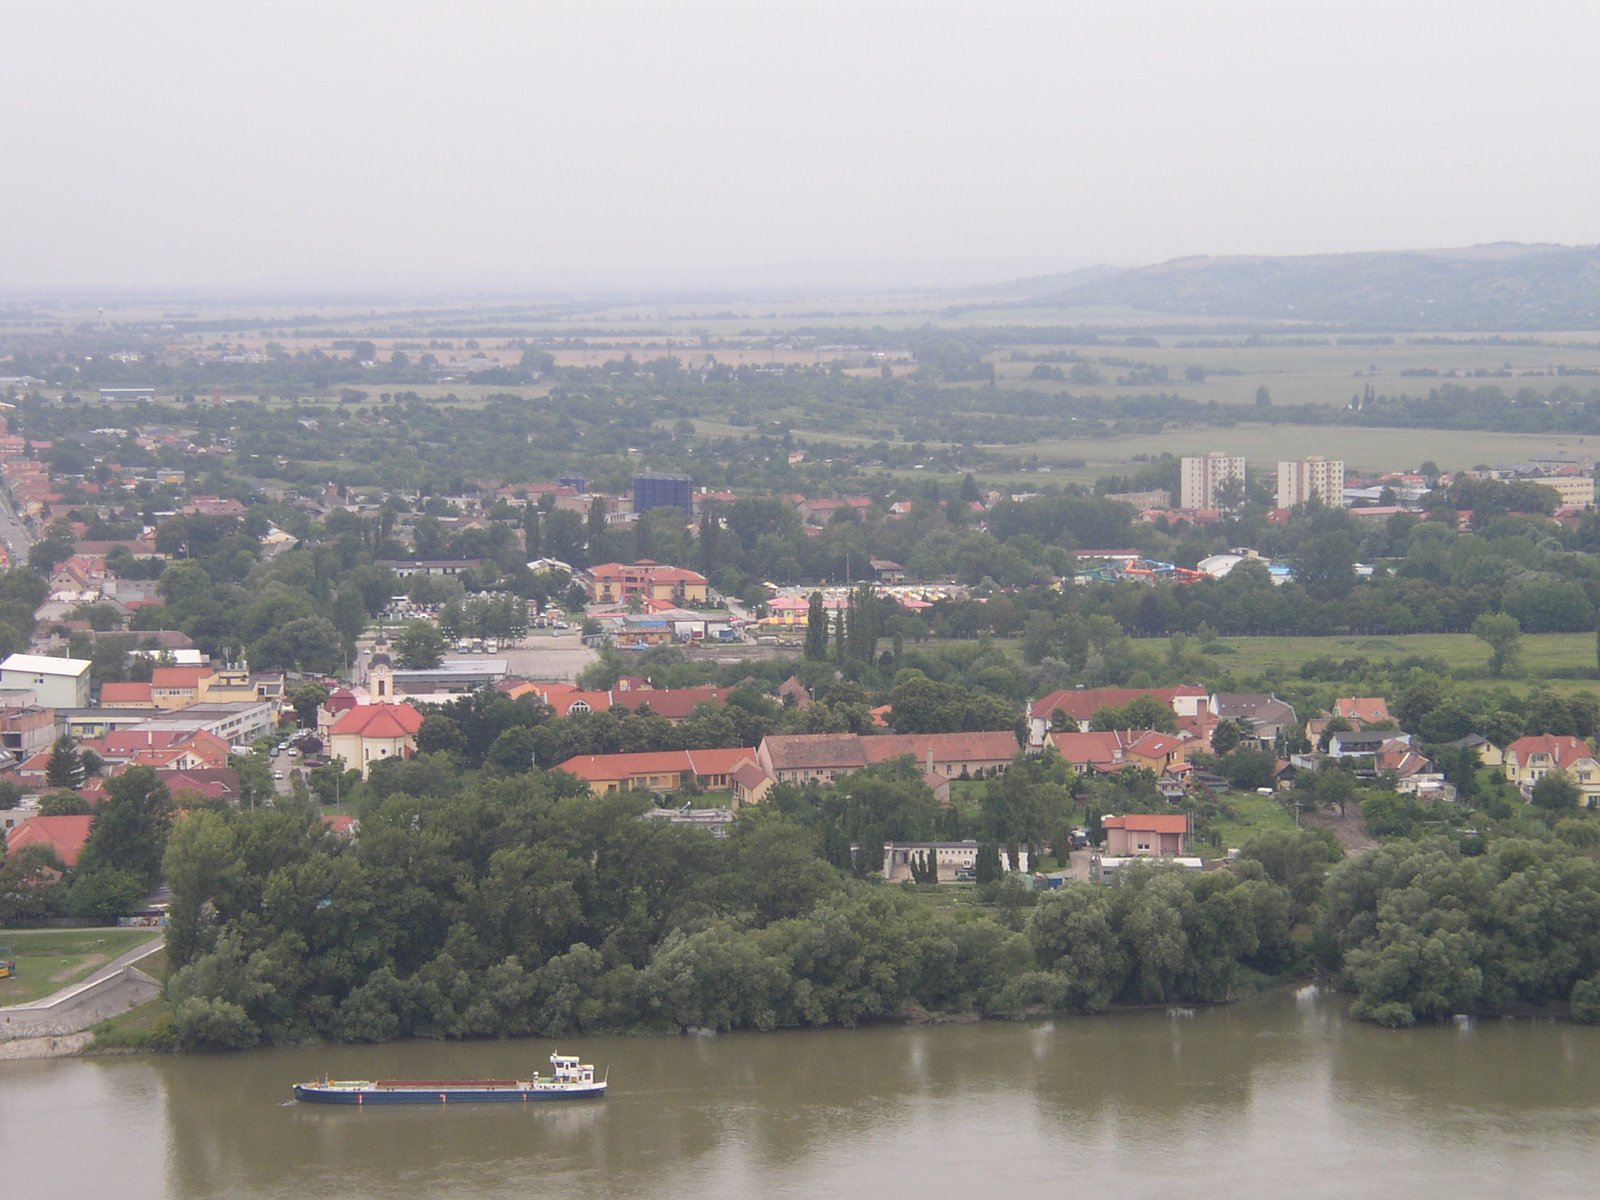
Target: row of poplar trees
x: 854, y: 629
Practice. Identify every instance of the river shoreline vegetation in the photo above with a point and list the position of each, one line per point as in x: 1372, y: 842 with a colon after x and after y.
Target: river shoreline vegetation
x: 485, y: 894
x: 530, y: 907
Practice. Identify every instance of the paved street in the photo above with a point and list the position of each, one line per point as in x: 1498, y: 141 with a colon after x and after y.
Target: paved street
x: 17, y: 539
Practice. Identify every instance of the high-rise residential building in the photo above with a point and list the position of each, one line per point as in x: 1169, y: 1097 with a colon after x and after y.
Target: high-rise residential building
x: 1304, y: 478
x: 1201, y: 477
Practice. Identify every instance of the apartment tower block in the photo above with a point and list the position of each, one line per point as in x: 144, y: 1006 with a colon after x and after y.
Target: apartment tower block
x: 1201, y: 477
x: 1304, y: 478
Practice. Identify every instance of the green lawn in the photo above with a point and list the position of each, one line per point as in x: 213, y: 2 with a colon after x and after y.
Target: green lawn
x: 1245, y: 814
x: 1542, y: 654
x: 148, y: 1027
x: 51, y: 959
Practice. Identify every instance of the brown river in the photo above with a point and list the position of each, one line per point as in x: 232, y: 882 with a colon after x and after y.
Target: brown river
x: 1278, y: 1097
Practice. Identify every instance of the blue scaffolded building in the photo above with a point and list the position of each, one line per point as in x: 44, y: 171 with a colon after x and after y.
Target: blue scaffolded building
x: 663, y: 491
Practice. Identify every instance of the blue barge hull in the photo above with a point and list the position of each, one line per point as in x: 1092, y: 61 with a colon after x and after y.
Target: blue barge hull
x: 315, y: 1094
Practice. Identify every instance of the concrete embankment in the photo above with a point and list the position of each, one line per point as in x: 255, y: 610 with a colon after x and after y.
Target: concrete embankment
x: 58, y: 1023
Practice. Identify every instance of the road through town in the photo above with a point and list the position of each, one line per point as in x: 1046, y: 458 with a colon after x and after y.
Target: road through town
x: 13, y: 533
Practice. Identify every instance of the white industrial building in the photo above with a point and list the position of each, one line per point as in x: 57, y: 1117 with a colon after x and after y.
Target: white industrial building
x: 55, y: 682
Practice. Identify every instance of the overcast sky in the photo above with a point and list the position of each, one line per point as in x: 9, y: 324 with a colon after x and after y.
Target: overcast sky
x: 153, y: 144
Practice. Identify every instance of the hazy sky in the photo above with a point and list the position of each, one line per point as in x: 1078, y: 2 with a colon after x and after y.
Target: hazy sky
x: 151, y: 144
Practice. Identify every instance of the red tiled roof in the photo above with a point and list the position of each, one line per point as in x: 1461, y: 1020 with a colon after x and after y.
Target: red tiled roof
x: 214, y: 783
x: 178, y: 677
x: 64, y: 835
x: 1362, y: 708
x: 1148, y: 823
x: 600, y: 767
x: 749, y: 775
x: 1082, y: 703
x: 1564, y: 750
x: 672, y: 703
x: 1110, y: 747
x: 825, y: 751
x: 1091, y: 748
x: 125, y: 693
x: 379, y: 721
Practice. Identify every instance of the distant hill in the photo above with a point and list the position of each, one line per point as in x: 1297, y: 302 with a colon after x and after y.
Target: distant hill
x: 1506, y: 285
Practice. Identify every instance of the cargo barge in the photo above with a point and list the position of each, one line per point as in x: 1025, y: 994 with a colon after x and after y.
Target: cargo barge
x: 569, y: 1079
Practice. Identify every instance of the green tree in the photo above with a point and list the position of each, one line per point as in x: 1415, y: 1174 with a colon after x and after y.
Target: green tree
x: 64, y: 768
x: 1225, y: 737
x: 29, y: 884
x: 103, y: 896
x: 130, y: 827
x: 1325, y: 566
x: 307, y: 698
x: 1502, y: 633
x: 202, y: 864
x: 64, y: 804
x: 349, y: 612
x: 440, y: 734
x: 987, y: 867
x: 816, y: 629
x: 420, y: 647
x: 1556, y: 793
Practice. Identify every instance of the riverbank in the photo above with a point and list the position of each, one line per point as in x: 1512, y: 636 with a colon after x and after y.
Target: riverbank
x: 61, y: 1023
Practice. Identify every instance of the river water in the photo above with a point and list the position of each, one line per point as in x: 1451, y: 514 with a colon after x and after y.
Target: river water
x: 1278, y: 1097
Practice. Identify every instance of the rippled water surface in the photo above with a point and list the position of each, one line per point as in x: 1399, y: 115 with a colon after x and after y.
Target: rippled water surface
x: 1279, y: 1097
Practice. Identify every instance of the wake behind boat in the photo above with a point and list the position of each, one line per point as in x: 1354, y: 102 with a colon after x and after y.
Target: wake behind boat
x: 569, y: 1079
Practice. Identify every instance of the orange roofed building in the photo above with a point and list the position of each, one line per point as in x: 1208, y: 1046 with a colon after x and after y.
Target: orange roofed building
x: 675, y: 704
x: 370, y: 733
x: 1530, y: 759
x: 644, y: 580
x: 659, y: 772
x: 127, y: 695
x: 1147, y: 834
x: 825, y: 757
x: 1081, y: 704
x: 1115, y: 750
x: 1362, y: 711
x: 63, y: 835
x: 173, y: 688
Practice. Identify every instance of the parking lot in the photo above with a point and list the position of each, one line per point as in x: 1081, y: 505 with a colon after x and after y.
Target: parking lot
x: 548, y: 656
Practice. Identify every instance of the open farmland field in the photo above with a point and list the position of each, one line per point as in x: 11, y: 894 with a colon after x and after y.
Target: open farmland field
x: 1301, y: 374
x: 1571, y: 654
x: 1361, y: 449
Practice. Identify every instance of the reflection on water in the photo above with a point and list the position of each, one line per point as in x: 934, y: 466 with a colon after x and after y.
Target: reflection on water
x: 1281, y: 1096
